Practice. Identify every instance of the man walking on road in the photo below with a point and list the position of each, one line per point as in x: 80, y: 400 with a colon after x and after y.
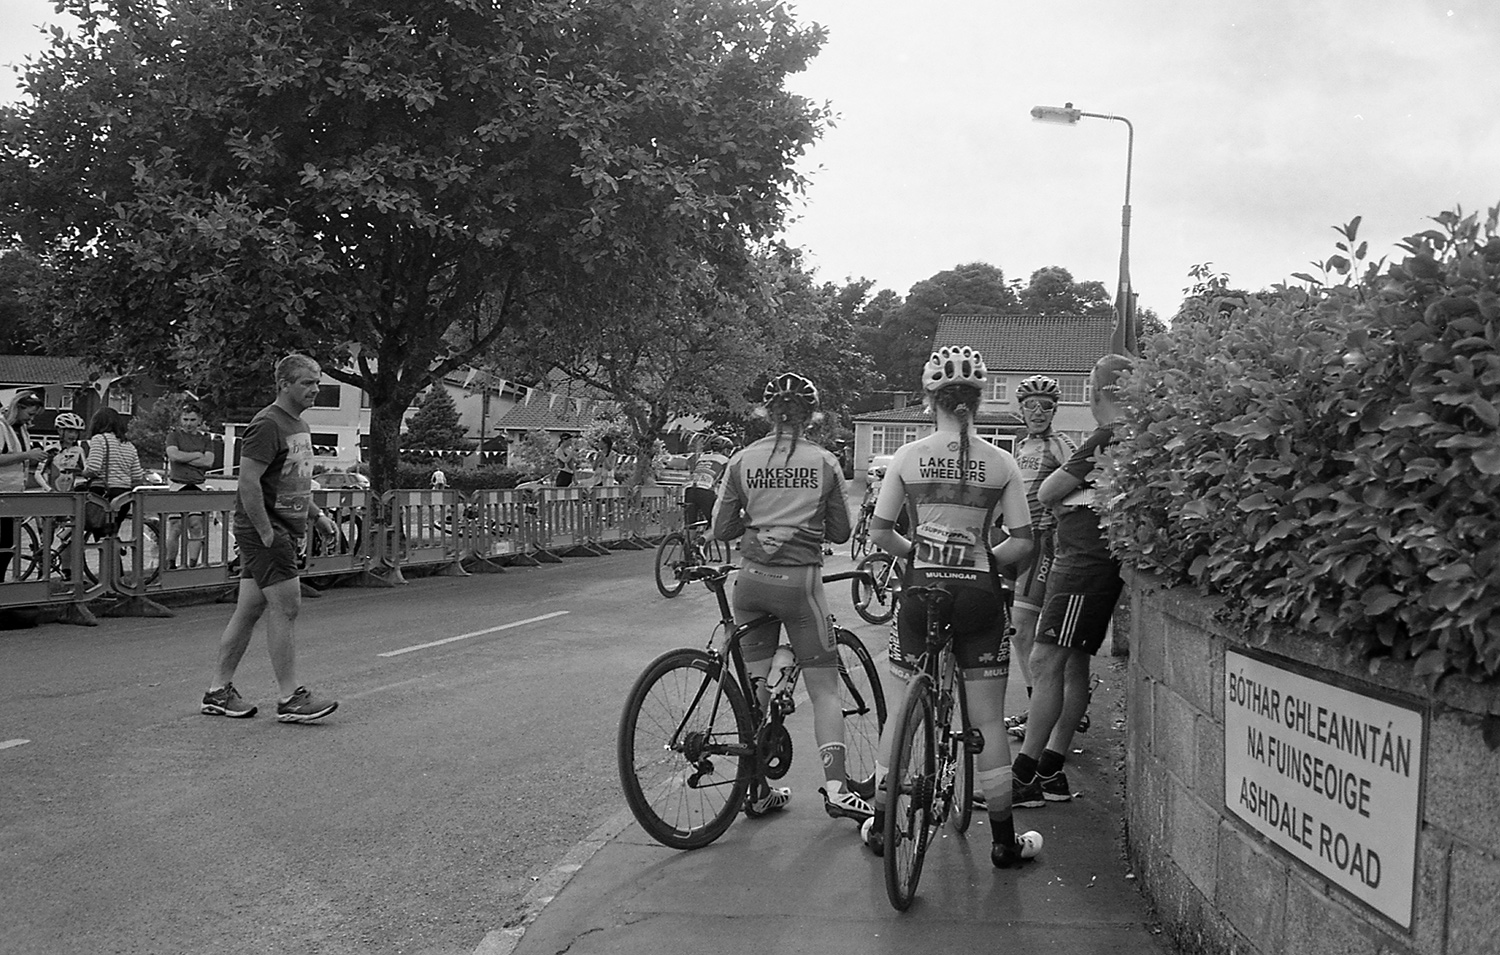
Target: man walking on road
x: 272, y: 508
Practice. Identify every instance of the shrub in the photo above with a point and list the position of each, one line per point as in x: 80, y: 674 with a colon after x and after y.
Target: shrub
x: 467, y: 480
x: 1329, y: 458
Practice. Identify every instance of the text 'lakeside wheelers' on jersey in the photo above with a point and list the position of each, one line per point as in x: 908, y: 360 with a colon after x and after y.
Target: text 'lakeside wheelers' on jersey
x: 783, y: 505
x: 951, y: 520
x: 1038, y: 456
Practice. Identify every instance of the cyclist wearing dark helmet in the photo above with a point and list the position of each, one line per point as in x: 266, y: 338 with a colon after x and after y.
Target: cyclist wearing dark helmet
x: 1038, y: 453
x: 956, y: 488
x: 782, y: 497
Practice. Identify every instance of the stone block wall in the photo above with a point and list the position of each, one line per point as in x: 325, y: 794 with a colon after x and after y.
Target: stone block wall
x: 1221, y: 887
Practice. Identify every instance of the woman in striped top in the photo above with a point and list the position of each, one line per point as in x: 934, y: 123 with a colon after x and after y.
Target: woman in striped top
x: 113, y: 461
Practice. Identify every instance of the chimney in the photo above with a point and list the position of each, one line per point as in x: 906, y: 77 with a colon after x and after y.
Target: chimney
x: 900, y: 401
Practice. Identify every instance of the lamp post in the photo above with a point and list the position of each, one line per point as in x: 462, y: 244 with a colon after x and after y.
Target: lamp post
x: 1125, y: 331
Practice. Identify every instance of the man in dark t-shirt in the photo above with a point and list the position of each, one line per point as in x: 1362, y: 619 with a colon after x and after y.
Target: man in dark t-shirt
x: 189, y: 456
x: 1081, y: 592
x: 272, y: 507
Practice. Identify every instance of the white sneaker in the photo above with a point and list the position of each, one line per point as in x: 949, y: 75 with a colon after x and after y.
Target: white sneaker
x: 846, y: 805
x: 773, y: 799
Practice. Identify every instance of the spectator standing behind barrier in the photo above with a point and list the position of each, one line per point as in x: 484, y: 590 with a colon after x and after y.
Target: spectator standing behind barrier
x: 1081, y: 591
x: 17, y: 457
x: 190, y: 455
x: 113, y: 466
x: 567, y: 460
x: 272, y: 507
x: 439, y: 480
x: 607, y: 463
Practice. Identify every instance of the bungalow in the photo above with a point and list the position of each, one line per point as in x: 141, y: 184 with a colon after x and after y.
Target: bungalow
x: 1014, y: 347
x: 67, y: 384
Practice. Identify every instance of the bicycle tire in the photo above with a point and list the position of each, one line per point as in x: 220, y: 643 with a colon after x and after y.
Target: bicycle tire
x: 961, y: 810
x: 27, y: 563
x: 675, y: 706
x: 859, y: 542
x: 909, y: 783
x: 671, y: 556
x: 875, y: 604
x: 863, y: 701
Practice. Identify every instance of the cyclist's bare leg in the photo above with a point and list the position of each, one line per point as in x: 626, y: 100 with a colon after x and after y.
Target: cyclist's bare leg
x: 828, y: 720
x: 1021, y: 641
x: 1049, y: 664
x: 1075, y: 701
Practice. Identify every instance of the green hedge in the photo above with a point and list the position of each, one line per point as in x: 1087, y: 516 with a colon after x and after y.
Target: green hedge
x: 1329, y: 458
x: 467, y: 480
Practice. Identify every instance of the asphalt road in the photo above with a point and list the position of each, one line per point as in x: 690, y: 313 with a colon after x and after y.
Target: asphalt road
x: 413, y: 820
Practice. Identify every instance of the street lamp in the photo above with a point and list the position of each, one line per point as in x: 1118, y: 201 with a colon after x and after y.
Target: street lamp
x: 1125, y: 333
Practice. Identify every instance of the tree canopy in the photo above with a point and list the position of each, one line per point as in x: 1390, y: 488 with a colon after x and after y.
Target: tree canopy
x: 390, y: 184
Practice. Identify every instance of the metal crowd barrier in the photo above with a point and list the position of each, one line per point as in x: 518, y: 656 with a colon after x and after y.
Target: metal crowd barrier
x: 173, y: 541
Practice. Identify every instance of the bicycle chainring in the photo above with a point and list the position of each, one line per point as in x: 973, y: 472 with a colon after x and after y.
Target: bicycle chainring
x: 773, y: 748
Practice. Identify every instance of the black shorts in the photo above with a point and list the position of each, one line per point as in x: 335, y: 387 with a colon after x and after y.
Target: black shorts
x: 698, y: 504
x: 1078, y: 610
x: 980, y: 621
x: 267, y: 565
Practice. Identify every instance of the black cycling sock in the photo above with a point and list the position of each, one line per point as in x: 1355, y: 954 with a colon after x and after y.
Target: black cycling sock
x: 1050, y: 763
x: 1023, y: 768
x: 1003, y: 829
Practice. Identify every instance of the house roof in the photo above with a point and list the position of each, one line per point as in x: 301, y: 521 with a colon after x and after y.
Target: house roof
x: 563, y: 404
x: 1032, y: 344
x: 42, y: 370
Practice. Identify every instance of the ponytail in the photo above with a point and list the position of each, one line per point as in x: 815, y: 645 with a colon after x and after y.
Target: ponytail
x: 961, y: 401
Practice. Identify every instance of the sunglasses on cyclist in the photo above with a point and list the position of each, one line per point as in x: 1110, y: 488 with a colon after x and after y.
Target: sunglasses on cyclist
x: 1038, y: 404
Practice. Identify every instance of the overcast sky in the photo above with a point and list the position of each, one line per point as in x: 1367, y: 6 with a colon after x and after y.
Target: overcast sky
x: 1259, y: 125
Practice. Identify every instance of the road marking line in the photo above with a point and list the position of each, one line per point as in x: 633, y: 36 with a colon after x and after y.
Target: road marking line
x: 476, y: 633
x: 7, y: 744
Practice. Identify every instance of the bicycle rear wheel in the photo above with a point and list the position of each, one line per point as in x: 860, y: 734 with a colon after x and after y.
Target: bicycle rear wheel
x: 685, y: 749
x: 863, y: 702
x: 875, y: 604
x: 910, y: 785
x: 671, y: 557
x: 961, y: 809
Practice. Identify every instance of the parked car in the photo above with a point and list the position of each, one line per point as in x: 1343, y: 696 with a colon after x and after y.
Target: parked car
x: 341, y: 481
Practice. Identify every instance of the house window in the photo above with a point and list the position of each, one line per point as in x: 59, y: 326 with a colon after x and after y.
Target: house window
x: 329, y: 396
x: 364, y: 398
x: 65, y: 400
x: 1001, y: 439
x: 999, y: 389
x: 324, y: 442
x: 1075, y: 389
x: 886, y: 438
x: 121, y: 400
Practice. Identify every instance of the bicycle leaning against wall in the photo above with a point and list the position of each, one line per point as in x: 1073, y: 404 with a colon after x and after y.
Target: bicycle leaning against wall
x: 694, y: 739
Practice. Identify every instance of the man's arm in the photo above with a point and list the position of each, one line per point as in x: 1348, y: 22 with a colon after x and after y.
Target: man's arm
x: 254, y: 499
x: 1055, y: 489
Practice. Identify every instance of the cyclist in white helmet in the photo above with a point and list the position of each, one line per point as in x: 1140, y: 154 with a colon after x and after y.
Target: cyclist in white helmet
x: 63, y: 469
x: 955, y: 488
x: 1039, y: 452
x: 783, y: 497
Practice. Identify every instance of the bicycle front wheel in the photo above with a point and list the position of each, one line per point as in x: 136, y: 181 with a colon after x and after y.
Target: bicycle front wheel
x: 910, y: 785
x: 671, y: 557
x: 961, y: 809
x: 876, y: 604
x: 685, y: 749
x: 863, y: 703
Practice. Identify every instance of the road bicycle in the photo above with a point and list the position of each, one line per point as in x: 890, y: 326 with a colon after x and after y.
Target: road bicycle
x: 36, y: 558
x: 695, y: 745
x: 682, y: 553
x: 859, y: 541
x: 931, y: 777
x: 877, y: 590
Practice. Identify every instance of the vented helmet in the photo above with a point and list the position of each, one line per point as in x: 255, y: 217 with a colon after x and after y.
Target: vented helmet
x: 954, y: 365
x: 68, y: 420
x: 791, y: 385
x: 1038, y: 386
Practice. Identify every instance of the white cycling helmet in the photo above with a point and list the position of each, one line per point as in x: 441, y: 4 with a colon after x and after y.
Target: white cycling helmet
x: 790, y: 385
x: 68, y: 420
x: 954, y: 365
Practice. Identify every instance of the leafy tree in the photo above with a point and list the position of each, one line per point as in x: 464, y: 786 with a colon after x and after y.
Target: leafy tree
x: 977, y: 288
x: 390, y: 185
x: 435, y: 424
x: 1053, y: 291
x: 149, y: 428
x: 21, y: 333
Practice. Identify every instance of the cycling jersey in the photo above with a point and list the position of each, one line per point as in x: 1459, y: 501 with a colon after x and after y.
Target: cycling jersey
x: 1038, y: 456
x: 707, y: 469
x: 951, y: 537
x: 783, y: 504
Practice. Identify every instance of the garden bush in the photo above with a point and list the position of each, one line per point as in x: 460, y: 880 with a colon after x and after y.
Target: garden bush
x: 463, y: 479
x: 1328, y: 457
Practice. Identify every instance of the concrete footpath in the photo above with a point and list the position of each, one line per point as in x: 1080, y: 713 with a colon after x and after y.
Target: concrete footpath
x: 799, y: 881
